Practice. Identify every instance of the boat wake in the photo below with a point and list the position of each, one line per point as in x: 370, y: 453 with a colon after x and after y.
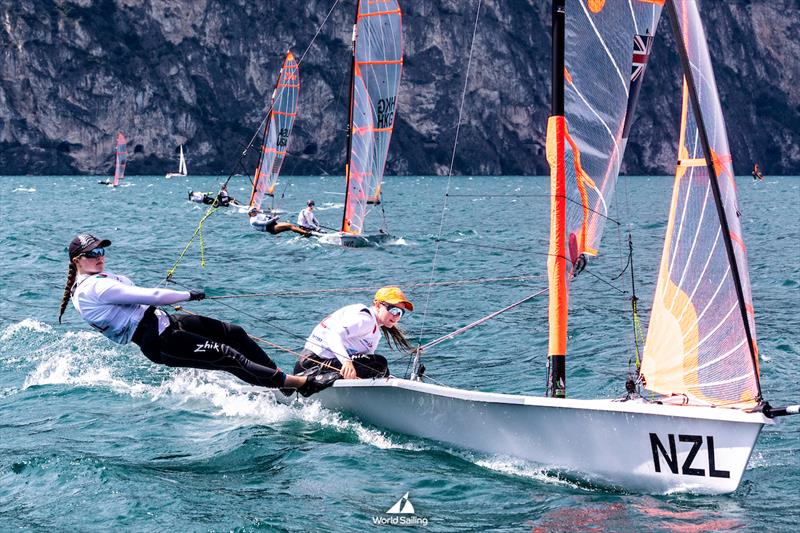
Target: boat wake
x: 85, y: 359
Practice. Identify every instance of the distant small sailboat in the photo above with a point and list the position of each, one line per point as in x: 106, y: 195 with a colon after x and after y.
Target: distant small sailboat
x: 375, y: 81
x: 121, y: 161
x: 277, y: 131
x: 181, y: 167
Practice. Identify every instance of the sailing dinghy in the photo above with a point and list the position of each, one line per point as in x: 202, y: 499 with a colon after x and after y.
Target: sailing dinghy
x: 182, y: 172
x: 697, y: 431
x: 374, y: 83
x: 277, y: 131
x: 121, y: 160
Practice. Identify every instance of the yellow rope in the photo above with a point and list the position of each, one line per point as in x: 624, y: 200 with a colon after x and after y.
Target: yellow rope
x: 638, y: 334
x: 197, y: 231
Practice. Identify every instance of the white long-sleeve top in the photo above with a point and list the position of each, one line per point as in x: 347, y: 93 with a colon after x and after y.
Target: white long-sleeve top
x: 260, y: 221
x: 114, y: 306
x: 351, y: 330
x: 306, y: 219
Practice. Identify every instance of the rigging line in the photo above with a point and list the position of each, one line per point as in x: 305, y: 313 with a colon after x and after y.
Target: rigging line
x: 319, y: 29
x: 599, y: 278
x: 295, y: 353
x: 492, y: 247
x: 499, y: 195
x: 567, y: 198
x: 373, y: 288
x: 416, y: 358
x: 481, y: 320
x: 284, y: 330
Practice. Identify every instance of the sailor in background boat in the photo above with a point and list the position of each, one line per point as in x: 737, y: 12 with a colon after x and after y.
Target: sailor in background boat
x: 757, y: 175
x: 224, y: 199
x: 123, y: 312
x: 261, y: 221
x: 347, y: 339
x: 306, y: 218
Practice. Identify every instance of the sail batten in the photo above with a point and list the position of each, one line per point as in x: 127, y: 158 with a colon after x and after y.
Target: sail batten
x: 702, y: 345
x: 277, y: 131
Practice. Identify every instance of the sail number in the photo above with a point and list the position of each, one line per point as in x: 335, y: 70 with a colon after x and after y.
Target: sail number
x: 385, y: 112
x: 283, y: 138
x: 688, y: 468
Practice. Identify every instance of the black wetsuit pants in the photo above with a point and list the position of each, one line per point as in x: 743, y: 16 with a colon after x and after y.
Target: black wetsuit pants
x: 367, y: 365
x: 195, y: 341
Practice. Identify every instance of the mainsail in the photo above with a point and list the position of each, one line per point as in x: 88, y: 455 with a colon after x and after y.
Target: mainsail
x: 701, y: 339
x: 277, y: 131
x: 182, y: 171
x: 121, y: 159
x: 377, y: 66
x: 605, y: 50
x: 182, y: 164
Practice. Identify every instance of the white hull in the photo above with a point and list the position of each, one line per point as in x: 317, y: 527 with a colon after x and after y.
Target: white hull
x: 352, y: 241
x: 174, y: 175
x: 633, y: 445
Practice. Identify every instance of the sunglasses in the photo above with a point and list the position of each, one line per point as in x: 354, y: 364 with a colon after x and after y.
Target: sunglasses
x: 94, y: 254
x: 394, y: 310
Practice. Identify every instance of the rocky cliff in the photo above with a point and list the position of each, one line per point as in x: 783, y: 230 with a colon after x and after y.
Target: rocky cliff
x: 200, y: 73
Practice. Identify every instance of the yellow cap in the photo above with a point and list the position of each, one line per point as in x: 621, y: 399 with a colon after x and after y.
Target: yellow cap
x: 393, y: 296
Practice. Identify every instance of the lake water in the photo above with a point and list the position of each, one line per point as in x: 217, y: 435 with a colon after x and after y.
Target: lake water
x: 95, y: 437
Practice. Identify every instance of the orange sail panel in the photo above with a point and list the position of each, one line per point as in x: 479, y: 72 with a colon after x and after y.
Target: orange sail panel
x: 277, y: 131
x: 378, y: 64
x: 121, y: 159
x: 697, y: 344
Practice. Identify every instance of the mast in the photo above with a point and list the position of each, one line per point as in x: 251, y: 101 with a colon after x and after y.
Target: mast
x: 556, y: 262
x: 715, y: 189
x: 350, y: 118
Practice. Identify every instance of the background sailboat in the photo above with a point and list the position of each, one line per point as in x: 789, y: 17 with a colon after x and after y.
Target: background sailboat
x: 181, y: 167
x: 120, y: 161
x: 697, y: 434
x: 375, y: 81
x: 277, y: 131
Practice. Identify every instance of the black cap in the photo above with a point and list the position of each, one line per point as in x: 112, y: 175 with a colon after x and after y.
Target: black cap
x: 84, y: 243
x: 310, y: 202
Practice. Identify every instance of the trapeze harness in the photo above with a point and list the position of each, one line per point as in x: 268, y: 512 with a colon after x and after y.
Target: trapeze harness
x: 125, y: 313
x: 349, y: 334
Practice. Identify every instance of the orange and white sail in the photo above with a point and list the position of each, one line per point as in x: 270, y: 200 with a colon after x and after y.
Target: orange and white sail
x: 701, y: 339
x: 121, y: 159
x: 606, y: 49
x: 277, y: 131
x: 377, y: 67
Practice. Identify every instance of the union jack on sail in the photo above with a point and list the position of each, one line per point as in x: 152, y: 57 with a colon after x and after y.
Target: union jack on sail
x: 642, y: 44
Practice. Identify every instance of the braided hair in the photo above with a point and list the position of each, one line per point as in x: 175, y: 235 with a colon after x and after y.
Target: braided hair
x: 72, y: 273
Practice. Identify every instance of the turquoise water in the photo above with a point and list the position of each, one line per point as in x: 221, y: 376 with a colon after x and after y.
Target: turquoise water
x: 93, y: 436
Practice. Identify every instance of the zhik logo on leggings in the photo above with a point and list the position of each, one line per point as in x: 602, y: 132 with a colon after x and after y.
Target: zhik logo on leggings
x: 213, y: 346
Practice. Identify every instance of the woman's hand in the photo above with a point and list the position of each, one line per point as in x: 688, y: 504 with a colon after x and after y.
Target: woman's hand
x: 348, y: 371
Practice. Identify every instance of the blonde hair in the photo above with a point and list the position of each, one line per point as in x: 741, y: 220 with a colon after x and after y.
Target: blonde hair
x: 72, y: 273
